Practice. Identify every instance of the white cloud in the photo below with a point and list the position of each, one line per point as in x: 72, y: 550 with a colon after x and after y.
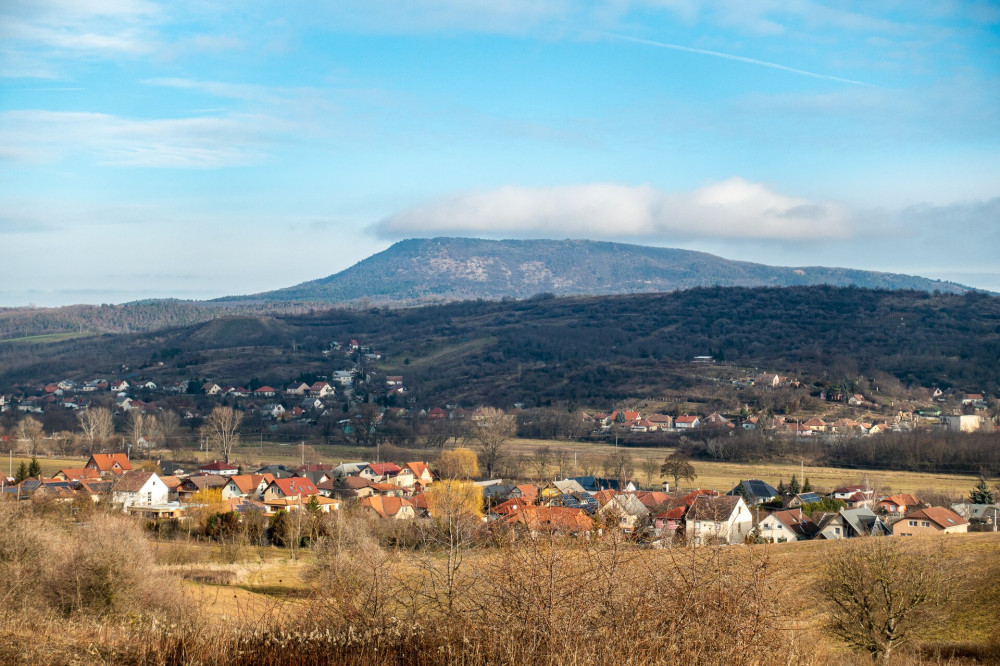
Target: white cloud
x: 201, y: 142
x: 734, y: 208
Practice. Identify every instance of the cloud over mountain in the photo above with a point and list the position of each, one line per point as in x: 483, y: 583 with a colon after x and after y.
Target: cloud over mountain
x: 733, y: 208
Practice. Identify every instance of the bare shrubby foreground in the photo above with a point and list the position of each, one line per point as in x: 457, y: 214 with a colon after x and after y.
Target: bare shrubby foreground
x: 441, y: 592
x: 100, y: 568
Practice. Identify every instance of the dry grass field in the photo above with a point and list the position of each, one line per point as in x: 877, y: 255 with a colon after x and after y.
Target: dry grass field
x: 272, y: 584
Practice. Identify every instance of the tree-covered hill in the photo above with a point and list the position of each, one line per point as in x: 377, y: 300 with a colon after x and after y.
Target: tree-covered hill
x: 579, y: 349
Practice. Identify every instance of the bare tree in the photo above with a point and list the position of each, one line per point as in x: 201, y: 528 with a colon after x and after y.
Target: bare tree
x: 649, y: 469
x: 491, y: 428
x: 135, y: 427
x: 619, y: 466
x: 561, y: 460
x: 879, y: 590
x: 29, y: 434
x: 222, y: 430
x: 170, y: 425
x: 456, y: 507
x: 679, y: 467
x: 97, y: 426
x: 366, y: 421
x: 540, y: 462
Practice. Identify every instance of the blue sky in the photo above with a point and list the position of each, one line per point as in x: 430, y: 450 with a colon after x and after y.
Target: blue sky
x: 198, y: 148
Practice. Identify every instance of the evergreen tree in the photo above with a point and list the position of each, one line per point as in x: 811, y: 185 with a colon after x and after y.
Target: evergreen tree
x: 806, y: 486
x: 22, y: 472
x: 782, y: 491
x: 35, y: 468
x: 981, y: 494
x: 793, y: 486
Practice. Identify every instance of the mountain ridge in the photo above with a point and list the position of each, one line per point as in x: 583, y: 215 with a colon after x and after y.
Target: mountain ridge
x: 427, y: 270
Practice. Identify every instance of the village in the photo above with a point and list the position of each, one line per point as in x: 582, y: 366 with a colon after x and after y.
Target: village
x: 584, y: 506
x: 365, y: 406
x: 326, y: 408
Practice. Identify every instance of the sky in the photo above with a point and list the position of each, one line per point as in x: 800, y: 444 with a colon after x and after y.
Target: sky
x: 195, y: 148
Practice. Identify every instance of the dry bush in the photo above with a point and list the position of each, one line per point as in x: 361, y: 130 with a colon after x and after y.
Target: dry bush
x: 101, y: 568
x: 881, y: 592
x: 550, y: 600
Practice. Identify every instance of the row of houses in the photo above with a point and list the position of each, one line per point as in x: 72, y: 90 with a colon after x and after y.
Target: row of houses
x: 577, y: 505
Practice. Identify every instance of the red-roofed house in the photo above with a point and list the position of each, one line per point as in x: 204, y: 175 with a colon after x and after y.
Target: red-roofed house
x: 377, y: 472
x: 686, y: 422
x: 246, y: 485
x: 785, y: 526
x: 109, y: 463
x: 555, y: 519
x: 932, y: 520
x: 396, y: 508
x: 292, y: 488
x: 321, y: 389
x: 898, y: 504
x: 265, y: 392
x: 413, y: 473
x: 81, y: 474
x: 220, y: 468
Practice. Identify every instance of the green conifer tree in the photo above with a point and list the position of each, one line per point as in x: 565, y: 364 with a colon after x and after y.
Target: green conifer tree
x: 793, y: 486
x: 22, y: 472
x: 981, y: 494
x: 35, y: 468
x: 806, y: 486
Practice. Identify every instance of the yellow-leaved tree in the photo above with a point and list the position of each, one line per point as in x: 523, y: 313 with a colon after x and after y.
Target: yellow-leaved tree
x: 203, y: 505
x: 458, y: 463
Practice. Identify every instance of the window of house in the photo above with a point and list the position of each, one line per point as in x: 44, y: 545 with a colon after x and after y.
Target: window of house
x: 697, y: 524
x: 149, y: 497
x: 836, y: 530
x: 913, y: 523
x: 925, y: 523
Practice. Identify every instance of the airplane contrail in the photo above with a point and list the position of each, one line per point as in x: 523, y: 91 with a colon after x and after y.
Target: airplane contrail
x: 730, y: 56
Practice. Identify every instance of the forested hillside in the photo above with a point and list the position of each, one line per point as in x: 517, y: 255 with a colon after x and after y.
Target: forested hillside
x: 139, y: 316
x: 561, y: 350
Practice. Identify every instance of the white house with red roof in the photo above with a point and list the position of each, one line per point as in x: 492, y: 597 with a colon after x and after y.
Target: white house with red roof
x: 379, y: 472
x: 220, y: 468
x: 687, y: 422
x: 413, y: 473
x: 321, y: 390
x: 246, y: 485
x: 265, y: 392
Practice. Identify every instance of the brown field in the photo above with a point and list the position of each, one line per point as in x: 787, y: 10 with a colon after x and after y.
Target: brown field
x: 370, y: 593
x: 272, y: 582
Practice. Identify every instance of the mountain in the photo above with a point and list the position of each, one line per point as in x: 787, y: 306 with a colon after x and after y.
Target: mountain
x: 431, y: 270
